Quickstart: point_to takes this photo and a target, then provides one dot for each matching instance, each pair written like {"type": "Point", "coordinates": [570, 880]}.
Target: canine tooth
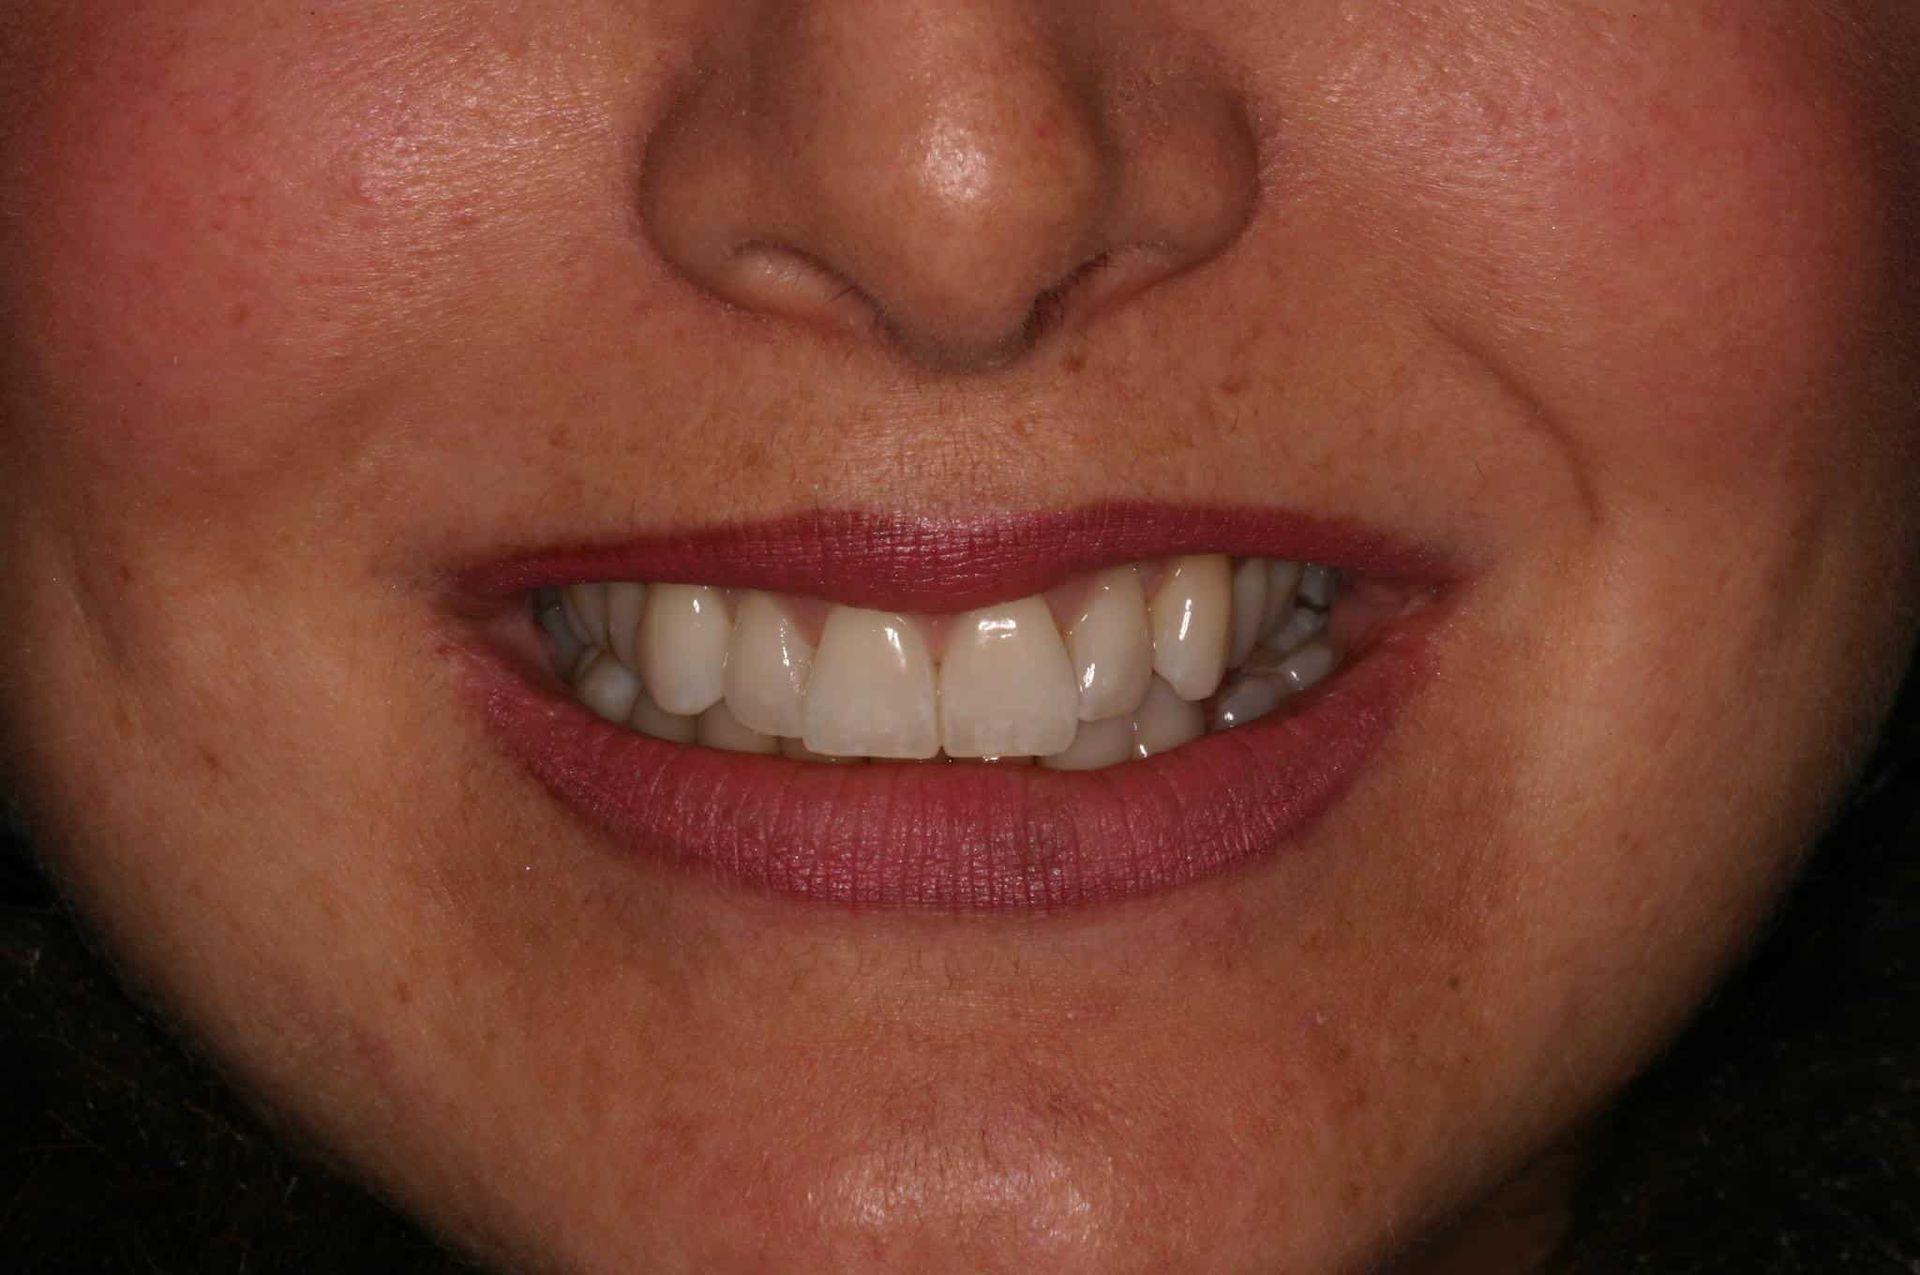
{"type": "Point", "coordinates": [1283, 579]}
{"type": "Point", "coordinates": [719, 728]}
{"type": "Point", "coordinates": [1306, 667]}
{"type": "Point", "coordinates": [1111, 646]}
{"type": "Point", "coordinates": [1165, 720]}
{"type": "Point", "coordinates": [650, 719]}
{"type": "Point", "coordinates": [682, 647]}
{"type": "Point", "coordinates": [767, 667]}
{"type": "Point", "coordinates": [872, 689]}
{"type": "Point", "coordinates": [1006, 684]}
{"type": "Point", "coordinates": [1095, 744]}
{"type": "Point", "coordinates": [567, 647]}
{"type": "Point", "coordinates": [1249, 608]}
{"type": "Point", "coordinates": [607, 686]}
{"type": "Point", "coordinates": [1301, 626]}
{"type": "Point", "coordinates": [1191, 614]}
{"type": "Point", "coordinates": [1316, 586]}
{"type": "Point", "coordinates": [626, 601]}
{"type": "Point", "coordinates": [585, 606]}
{"type": "Point", "coordinates": [1245, 699]}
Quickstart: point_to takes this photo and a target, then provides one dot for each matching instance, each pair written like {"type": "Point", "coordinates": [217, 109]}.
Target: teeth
{"type": "Point", "coordinates": [625, 602]}
{"type": "Point", "coordinates": [767, 668]}
{"type": "Point", "coordinates": [1192, 618]}
{"type": "Point", "coordinates": [1006, 685]}
{"type": "Point", "coordinates": [1130, 677]}
{"type": "Point", "coordinates": [607, 686]}
{"type": "Point", "coordinates": [567, 647]}
{"type": "Point", "coordinates": [683, 647]}
{"type": "Point", "coordinates": [1165, 720]}
{"type": "Point", "coordinates": [872, 690]}
{"type": "Point", "coordinates": [1111, 646]}
{"type": "Point", "coordinates": [719, 728]}
{"type": "Point", "coordinates": [1249, 608]}
{"type": "Point", "coordinates": [585, 606]}
{"type": "Point", "coordinates": [1107, 742]}
{"type": "Point", "coordinates": [650, 719]}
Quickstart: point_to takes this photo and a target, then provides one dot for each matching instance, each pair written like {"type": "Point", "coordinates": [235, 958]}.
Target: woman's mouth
{"type": "Point", "coordinates": [1186, 710]}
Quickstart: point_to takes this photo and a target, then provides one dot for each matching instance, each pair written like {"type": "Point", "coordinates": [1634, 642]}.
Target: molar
{"type": "Point", "coordinates": [585, 606]}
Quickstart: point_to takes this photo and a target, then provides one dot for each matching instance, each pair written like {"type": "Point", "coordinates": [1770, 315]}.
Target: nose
{"type": "Point", "coordinates": [954, 177]}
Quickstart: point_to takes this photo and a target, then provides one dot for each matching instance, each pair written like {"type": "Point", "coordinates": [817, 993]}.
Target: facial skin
{"type": "Point", "coordinates": [308, 305]}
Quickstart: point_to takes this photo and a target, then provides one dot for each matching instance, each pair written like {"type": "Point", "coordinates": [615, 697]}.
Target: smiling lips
{"type": "Point", "coordinates": [1123, 646]}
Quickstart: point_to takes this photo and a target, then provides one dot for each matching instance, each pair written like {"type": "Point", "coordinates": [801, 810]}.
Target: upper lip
{"type": "Point", "coordinates": [902, 562]}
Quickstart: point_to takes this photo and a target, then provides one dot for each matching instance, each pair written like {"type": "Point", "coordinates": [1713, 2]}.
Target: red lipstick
{"type": "Point", "coordinates": [960, 837]}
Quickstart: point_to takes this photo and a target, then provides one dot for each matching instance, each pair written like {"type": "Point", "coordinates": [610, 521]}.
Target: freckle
{"type": "Point", "coordinates": [403, 992]}
{"type": "Point", "coordinates": [1453, 982]}
{"type": "Point", "coordinates": [240, 314]}
{"type": "Point", "coordinates": [1074, 363]}
{"type": "Point", "coordinates": [558, 437]}
{"type": "Point", "coordinates": [124, 574]}
{"type": "Point", "coordinates": [211, 760]}
{"type": "Point", "coordinates": [1234, 386]}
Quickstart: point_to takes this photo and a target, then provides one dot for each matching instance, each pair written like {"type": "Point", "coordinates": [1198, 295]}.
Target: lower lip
{"type": "Point", "coordinates": [967, 838]}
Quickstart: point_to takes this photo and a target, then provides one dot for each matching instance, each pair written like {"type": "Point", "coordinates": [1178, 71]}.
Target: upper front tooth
{"type": "Point", "coordinates": [872, 689]}
{"type": "Point", "coordinates": [1111, 646]}
{"type": "Point", "coordinates": [1192, 617]}
{"type": "Point", "coordinates": [1006, 684]}
{"type": "Point", "coordinates": [683, 647]}
{"type": "Point", "coordinates": [767, 667]}
{"type": "Point", "coordinates": [1249, 608]}
{"type": "Point", "coordinates": [585, 606]}
{"type": "Point", "coordinates": [625, 603]}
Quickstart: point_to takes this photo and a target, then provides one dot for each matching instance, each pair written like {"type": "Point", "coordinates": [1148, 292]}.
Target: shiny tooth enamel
{"type": "Point", "coordinates": [1283, 581]}
{"type": "Point", "coordinates": [607, 686]}
{"type": "Point", "coordinates": [1316, 586]}
{"type": "Point", "coordinates": [650, 719]}
{"type": "Point", "coordinates": [1249, 608]}
{"type": "Point", "coordinates": [768, 665]}
{"type": "Point", "coordinates": [872, 690]}
{"type": "Point", "coordinates": [1221, 643]}
{"type": "Point", "coordinates": [1192, 621]}
{"type": "Point", "coordinates": [1306, 667]}
{"type": "Point", "coordinates": [585, 606]}
{"type": "Point", "coordinates": [1107, 742]}
{"type": "Point", "coordinates": [719, 728]}
{"type": "Point", "coordinates": [626, 601]}
{"type": "Point", "coordinates": [682, 651]}
{"type": "Point", "coordinates": [1166, 720]}
{"type": "Point", "coordinates": [1006, 684]}
{"type": "Point", "coordinates": [1111, 646]}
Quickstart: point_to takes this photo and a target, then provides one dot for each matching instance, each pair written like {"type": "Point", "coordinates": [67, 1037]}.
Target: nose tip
{"type": "Point", "coordinates": [947, 177]}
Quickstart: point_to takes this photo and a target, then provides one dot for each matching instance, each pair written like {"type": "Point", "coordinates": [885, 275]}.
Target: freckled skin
{"type": "Point", "coordinates": [305, 304]}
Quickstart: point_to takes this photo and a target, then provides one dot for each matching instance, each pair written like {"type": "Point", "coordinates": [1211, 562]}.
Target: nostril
{"type": "Point", "coordinates": [772, 278]}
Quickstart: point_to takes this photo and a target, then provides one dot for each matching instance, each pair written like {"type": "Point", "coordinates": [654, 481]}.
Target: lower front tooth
{"type": "Point", "coordinates": [1246, 699]}
{"type": "Point", "coordinates": [719, 728]}
{"type": "Point", "coordinates": [1006, 684]}
{"type": "Point", "coordinates": [800, 752]}
{"type": "Point", "coordinates": [607, 686]}
{"type": "Point", "coordinates": [1165, 720]}
{"type": "Point", "coordinates": [682, 649]}
{"type": "Point", "coordinates": [650, 719]}
{"type": "Point", "coordinates": [872, 690]}
{"type": "Point", "coordinates": [1103, 743]}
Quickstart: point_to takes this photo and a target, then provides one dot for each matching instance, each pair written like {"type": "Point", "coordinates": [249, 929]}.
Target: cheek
{"type": "Point", "coordinates": [234, 229]}
{"type": "Point", "coordinates": [1667, 233]}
